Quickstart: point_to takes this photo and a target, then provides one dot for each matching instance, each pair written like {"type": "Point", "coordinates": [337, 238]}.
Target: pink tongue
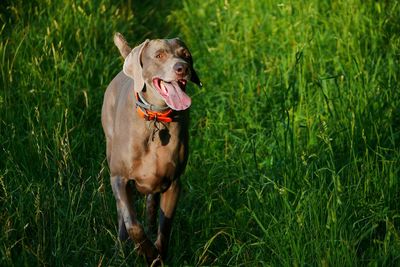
{"type": "Point", "coordinates": [175, 97]}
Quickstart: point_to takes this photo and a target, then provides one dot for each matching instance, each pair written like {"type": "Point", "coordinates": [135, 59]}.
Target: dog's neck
{"type": "Point", "coordinates": [152, 112]}
{"type": "Point", "coordinates": [152, 97]}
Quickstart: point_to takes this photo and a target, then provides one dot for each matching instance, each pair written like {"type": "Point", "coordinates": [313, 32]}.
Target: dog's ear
{"type": "Point", "coordinates": [122, 45]}
{"type": "Point", "coordinates": [195, 79]}
{"type": "Point", "coordinates": [133, 66]}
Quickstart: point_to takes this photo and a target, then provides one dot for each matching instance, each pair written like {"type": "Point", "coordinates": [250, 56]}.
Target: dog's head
{"type": "Point", "coordinates": [164, 65]}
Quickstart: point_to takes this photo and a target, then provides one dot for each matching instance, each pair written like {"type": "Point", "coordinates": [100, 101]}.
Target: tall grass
{"type": "Point", "coordinates": [294, 137]}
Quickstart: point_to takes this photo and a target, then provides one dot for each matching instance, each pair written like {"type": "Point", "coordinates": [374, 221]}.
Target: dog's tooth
{"type": "Point", "coordinates": [163, 87]}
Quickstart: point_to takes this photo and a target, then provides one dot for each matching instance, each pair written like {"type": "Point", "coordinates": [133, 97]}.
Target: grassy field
{"type": "Point", "coordinates": [295, 136]}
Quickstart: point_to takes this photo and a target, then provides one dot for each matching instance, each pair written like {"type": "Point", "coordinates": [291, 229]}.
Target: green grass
{"type": "Point", "coordinates": [295, 136]}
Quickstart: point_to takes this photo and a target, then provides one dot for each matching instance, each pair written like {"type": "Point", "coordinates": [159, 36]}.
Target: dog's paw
{"type": "Point", "coordinates": [157, 262]}
{"type": "Point", "coordinates": [149, 251]}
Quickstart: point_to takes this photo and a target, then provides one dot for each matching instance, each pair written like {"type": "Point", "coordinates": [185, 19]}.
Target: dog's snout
{"type": "Point", "coordinates": [181, 68]}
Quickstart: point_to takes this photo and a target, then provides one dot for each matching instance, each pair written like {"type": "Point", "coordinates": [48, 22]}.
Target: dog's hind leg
{"type": "Point", "coordinates": [168, 202]}
{"type": "Point", "coordinates": [152, 203]}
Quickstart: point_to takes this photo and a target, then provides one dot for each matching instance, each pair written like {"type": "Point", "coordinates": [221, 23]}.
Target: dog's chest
{"type": "Point", "coordinates": [157, 160]}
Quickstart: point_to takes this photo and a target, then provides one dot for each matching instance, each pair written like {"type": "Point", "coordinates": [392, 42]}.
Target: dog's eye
{"type": "Point", "coordinates": [160, 55]}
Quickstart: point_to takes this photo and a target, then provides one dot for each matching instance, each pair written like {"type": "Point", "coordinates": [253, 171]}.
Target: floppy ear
{"type": "Point", "coordinates": [133, 66]}
{"type": "Point", "coordinates": [122, 44]}
{"type": "Point", "coordinates": [195, 79]}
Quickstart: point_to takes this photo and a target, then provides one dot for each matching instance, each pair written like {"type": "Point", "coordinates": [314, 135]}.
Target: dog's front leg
{"type": "Point", "coordinates": [127, 218]}
{"type": "Point", "coordinates": [168, 203]}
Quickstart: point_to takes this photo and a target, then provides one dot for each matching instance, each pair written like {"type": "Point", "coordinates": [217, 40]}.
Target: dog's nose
{"type": "Point", "coordinates": [181, 68]}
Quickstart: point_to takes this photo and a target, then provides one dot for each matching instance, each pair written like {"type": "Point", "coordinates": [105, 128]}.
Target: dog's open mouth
{"type": "Point", "coordinates": [173, 93]}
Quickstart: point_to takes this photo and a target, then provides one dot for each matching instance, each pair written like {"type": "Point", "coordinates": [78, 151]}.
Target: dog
{"type": "Point", "coordinates": [145, 118]}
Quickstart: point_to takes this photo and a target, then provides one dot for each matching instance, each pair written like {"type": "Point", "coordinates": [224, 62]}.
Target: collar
{"type": "Point", "coordinates": [151, 112]}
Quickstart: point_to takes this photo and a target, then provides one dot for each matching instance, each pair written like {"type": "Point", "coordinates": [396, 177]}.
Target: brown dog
{"type": "Point", "coordinates": [145, 120]}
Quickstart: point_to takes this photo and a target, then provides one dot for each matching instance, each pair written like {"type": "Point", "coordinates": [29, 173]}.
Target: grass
{"type": "Point", "coordinates": [295, 136]}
